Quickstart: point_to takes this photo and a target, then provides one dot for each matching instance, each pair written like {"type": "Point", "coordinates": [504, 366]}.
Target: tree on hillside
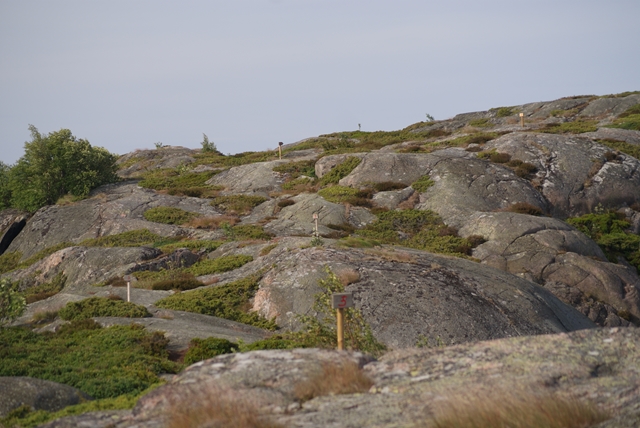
{"type": "Point", "coordinates": [57, 164]}
{"type": "Point", "coordinates": [5, 192]}
{"type": "Point", "coordinates": [12, 304]}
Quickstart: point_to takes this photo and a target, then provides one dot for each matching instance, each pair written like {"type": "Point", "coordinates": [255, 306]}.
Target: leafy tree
{"type": "Point", "coordinates": [5, 192]}
{"type": "Point", "coordinates": [208, 146]}
{"type": "Point", "coordinates": [12, 304]}
{"type": "Point", "coordinates": [56, 164]}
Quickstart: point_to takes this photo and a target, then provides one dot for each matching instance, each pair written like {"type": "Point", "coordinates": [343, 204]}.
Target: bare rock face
{"type": "Point", "coordinates": [38, 394]}
{"type": "Point", "coordinates": [464, 186]}
{"type": "Point", "coordinates": [407, 295]}
{"type": "Point", "coordinates": [134, 164]}
{"type": "Point", "coordinates": [256, 178]}
{"type": "Point", "coordinates": [552, 253]}
{"type": "Point", "coordinates": [112, 209]}
{"type": "Point", "coordinates": [573, 172]}
{"type": "Point", "coordinates": [12, 222]}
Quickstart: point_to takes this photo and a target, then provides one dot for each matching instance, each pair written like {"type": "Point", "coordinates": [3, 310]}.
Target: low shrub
{"type": "Point", "coordinates": [249, 231]}
{"type": "Point", "coordinates": [169, 215]}
{"type": "Point", "coordinates": [237, 204]}
{"type": "Point", "coordinates": [45, 290]}
{"type": "Point", "coordinates": [9, 261]}
{"type": "Point", "coordinates": [182, 283]}
{"type": "Point", "coordinates": [219, 265]}
{"type": "Point", "coordinates": [340, 171]}
{"type": "Point", "coordinates": [338, 194]}
{"type": "Point", "coordinates": [102, 307]}
{"type": "Point", "coordinates": [230, 301]}
{"type": "Point", "coordinates": [499, 157]}
{"type": "Point", "coordinates": [296, 169]}
{"type": "Point", "coordinates": [132, 238]}
{"type": "Point", "coordinates": [622, 146]}
{"type": "Point", "coordinates": [480, 123]}
{"type": "Point", "coordinates": [422, 184]}
{"type": "Point", "coordinates": [524, 208]}
{"type": "Point", "coordinates": [504, 111]}
{"type": "Point", "coordinates": [286, 203]}
{"type": "Point", "coordinates": [194, 245]}
{"type": "Point", "coordinates": [575, 127]}
{"type": "Point", "coordinates": [630, 119]}
{"type": "Point", "coordinates": [177, 181]}
{"type": "Point", "coordinates": [203, 349]}
{"type": "Point", "coordinates": [103, 362]}
{"type": "Point", "coordinates": [299, 185]}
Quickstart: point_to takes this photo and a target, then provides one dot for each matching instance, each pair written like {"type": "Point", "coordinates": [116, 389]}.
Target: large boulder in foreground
{"type": "Point", "coordinates": [409, 387]}
{"type": "Point", "coordinates": [407, 296]}
{"type": "Point", "coordinates": [37, 393]}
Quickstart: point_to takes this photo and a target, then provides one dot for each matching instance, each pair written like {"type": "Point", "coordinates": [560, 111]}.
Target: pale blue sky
{"type": "Point", "coordinates": [125, 74]}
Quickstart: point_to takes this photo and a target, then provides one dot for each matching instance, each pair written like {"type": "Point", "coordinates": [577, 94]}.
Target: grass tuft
{"type": "Point", "coordinates": [169, 215]}
{"type": "Point", "coordinates": [102, 307]}
{"type": "Point", "coordinates": [332, 379]}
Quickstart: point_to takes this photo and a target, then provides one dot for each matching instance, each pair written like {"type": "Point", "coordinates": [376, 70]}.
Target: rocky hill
{"type": "Point", "coordinates": [462, 240]}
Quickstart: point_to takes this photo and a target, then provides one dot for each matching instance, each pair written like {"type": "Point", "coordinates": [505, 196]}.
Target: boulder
{"type": "Point", "coordinates": [609, 106]}
{"type": "Point", "coordinates": [574, 174]}
{"type": "Point", "coordinates": [255, 179]}
{"type": "Point", "coordinates": [12, 222]}
{"type": "Point", "coordinates": [38, 394]}
{"type": "Point", "coordinates": [463, 186]}
{"type": "Point", "coordinates": [405, 295]}
{"type": "Point", "coordinates": [554, 254]}
{"type": "Point", "coordinates": [136, 163]}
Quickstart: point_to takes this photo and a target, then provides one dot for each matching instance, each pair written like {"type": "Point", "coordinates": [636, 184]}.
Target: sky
{"type": "Point", "coordinates": [128, 74]}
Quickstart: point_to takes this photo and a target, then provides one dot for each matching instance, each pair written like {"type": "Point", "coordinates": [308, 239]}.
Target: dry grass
{"type": "Point", "coordinates": [215, 408]}
{"type": "Point", "coordinates": [392, 254]}
{"type": "Point", "coordinates": [333, 378]}
{"type": "Point", "coordinates": [348, 276]}
{"type": "Point", "coordinates": [513, 408]}
{"type": "Point", "coordinates": [212, 222]}
{"type": "Point", "coordinates": [410, 202]}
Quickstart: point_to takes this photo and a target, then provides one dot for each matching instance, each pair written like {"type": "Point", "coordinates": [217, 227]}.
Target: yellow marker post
{"type": "Point", "coordinates": [341, 301]}
{"type": "Point", "coordinates": [522, 119]}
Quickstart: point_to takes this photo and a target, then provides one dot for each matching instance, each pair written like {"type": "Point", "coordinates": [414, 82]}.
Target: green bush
{"type": "Point", "coordinates": [178, 182]}
{"type": "Point", "coordinates": [45, 290]}
{"type": "Point", "coordinates": [249, 231]}
{"type": "Point", "coordinates": [423, 230]}
{"type": "Point", "coordinates": [12, 304]}
{"type": "Point", "coordinates": [54, 165]}
{"type": "Point", "coordinates": [169, 215]}
{"type": "Point", "coordinates": [208, 146]}
{"type": "Point", "coordinates": [9, 261]}
{"type": "Point", "coordinates": [102, 362]}
{"type": "Point", "coordinates": [203, 349]}
{"type": "Point", "coordinates": [228, 301]}
{"type": "Point", "coordinates": [595, 225]}
{"type": "Point", "coordinates": [296, 169]}
{"type": "Point", "coordinates": [504, 111]}
{"type": "Point", "coordinates": [338, 194]}
{"type": "Point", "coordinates": [340, 171]}
{"type": "Point", "coordinates": [237, 204]}
{"type": "Point", "coordinates": [630, 119]}
{"type": "Point", "coordinates": [422, 184]}
{"type": "Point", "coordinates": [480, 123]}
{"type": "Point", "coordinates": [180, 282]}
{"type": "Point", "coordinates": [102, 307]}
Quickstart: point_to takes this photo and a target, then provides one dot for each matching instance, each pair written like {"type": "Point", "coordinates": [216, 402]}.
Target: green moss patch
{"type": "Point", "coordinates": [169, 215]}
{"type": "Point", "coordinates": [103, 362]}
{"type": "Point", "coordinates": [102, 307]}
{"type": "Point", "coordinates": [422, 184]}
{"type": "Point", "coordinates": [230, 301]}
{"type": "Point", "coordinates": [9, 261]}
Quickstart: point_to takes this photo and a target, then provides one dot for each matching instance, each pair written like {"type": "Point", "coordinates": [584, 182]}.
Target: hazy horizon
{"type": "Point", "coordinates": [126, 75]}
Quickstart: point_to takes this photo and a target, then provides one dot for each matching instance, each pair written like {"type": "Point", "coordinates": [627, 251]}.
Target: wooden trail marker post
{"type": "Point", "coordinates": [522, 120]}
{"type": "Point", "coordinates": [341, 301]}
{"type": "Point", "coordinates": [280, 150]}
{"type": "Point", "coordinates": [129, 279]}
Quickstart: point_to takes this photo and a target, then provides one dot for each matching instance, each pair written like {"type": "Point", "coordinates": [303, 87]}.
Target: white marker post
{"type": "Point", "coordinates": [315, 218]}
{"type": "Point", "coordinates": [340, 301]}
{"type": "Point", "coordinates": [280, 149]}
{"type": "Point", "coordinates": [129, 279]}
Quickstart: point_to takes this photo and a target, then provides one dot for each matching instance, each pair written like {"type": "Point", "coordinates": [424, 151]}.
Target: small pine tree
{"type": "Point", "coordinates": [208, 146]}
